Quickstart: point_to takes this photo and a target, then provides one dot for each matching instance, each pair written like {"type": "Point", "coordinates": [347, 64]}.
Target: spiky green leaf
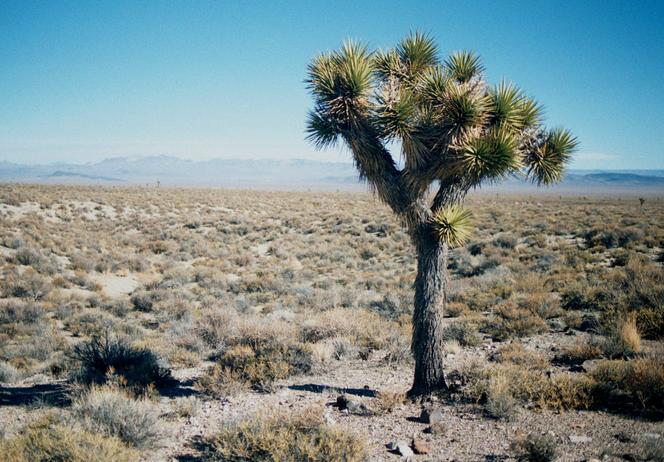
{"type": "Point", "coordinates": [464, 65]}
{"type": "Point", "coordinates": [418, 52]}
{"type": "Point", "coordinates": [545, 160]}
{"type": "Point", "coordinates": [490, 156]}
{"type": "Point", "coordinates": [452, 225]}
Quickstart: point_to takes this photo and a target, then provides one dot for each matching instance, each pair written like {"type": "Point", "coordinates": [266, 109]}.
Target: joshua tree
{"type": "Point", "coordinates": [455, 133]}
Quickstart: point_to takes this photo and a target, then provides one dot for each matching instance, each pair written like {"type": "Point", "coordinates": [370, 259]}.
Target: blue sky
{"type": "Point", "coordinates": [81, 81]}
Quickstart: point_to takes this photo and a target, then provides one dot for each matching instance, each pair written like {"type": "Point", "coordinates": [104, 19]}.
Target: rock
{"type": "Point", "coordinates": [420, 446]}
{"type": "Point", "coordinates": [579, 439]}
{"type": "Point", "coordinates": [652, 436]}
{"type": "Point", "coordinates": [353, 407]}
{"type": "Point", "coordinates": [431, 415]}
{"type": "Point", "coordinates": [403, 449]}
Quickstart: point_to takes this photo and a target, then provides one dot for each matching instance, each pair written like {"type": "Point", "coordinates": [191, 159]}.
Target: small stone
{"type": "Point", "coordinates": [579, 439]}
{"type": "Point", "coordinates": [420, 446]}
{"type": "Point", "coordinates": [404, 449]}
{"type": "Point", "coordinates": [431, 415]}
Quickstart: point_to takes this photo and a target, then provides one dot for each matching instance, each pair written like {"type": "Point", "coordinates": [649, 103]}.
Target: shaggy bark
{"type": "Point", "coordinates": [430, 300]}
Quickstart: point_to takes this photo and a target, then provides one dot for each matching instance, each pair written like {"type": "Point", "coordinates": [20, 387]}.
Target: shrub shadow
{"type": "Point", "coordinates": [317, 388]}
{"type": "Point", "coordinates": [53, 394]}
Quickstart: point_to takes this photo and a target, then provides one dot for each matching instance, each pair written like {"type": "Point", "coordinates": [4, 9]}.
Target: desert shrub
{"type": "Point", "coordinates": [186, 406]}
{"type": "Point", "coordinates": [387, 401]}
{"type": "Point", "coordinates": [102, 355]}
{"type": "Point", "coordinates": [145, 300]}
{"type": "Point", "coordinates": [8, 373]}
{"type": "Point", "coordinates": [536, 448]}
{"type": "Point", "coordinates": [16, 311]}
{"type": "Point", "coordinates": [625, 340]}
{"type": "Point", "coordinates": [260, 364]}
{"type": "Point", "coordinates": [114, 412]}
{"type": "Point", "coordinates": [397, 349]}
{"type": "Point", "coordinates": [638, 382]}
{"type": "Point", "coordinates": [505, 241]}
{"type": "Point", "coordinates": [499, 401]}
{"type": "Point", "coordinates": [653, 449]}
{"type": "Point", "coordinates": [512, 321]}
{"type": "Point", "coordinates": [465, 333]}
{"type": "Point", "coordinates": [559, 391]}
{"type": "Point", "coordinates": [579, 352]}
{"type": "Point", "coordinates": [516, 353]}
{"type": "Point", "coordinates": [610, 237]}
{"type": "Point", "coordinates": [637, 287]}
{"type": "Point", "coordinates": [302, 437]}
{"type": "Point", "coordinates": [30, 284]}
{"type": "Point", "coordinates": [51, 440]}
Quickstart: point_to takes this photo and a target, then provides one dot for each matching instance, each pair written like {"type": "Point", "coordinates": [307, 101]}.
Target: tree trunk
{"type": "Point", "coordinates": [430, 300]}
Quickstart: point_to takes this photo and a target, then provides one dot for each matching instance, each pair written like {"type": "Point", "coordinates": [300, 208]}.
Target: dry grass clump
{"type": "Point", "coordinates": [580, 351]}
{"type": "Point", "coordinates": [387, 401]}
{"type": "Point", "coordinates": [283, 438]}
{"type": "Point", "coordinates": [516, 353]}
{"type": "Point", "coordinates": [115, 412]}
{"type": "Point", "coordinates": [463, 332]}
{"type": "Point", "coordinates": [504, 383]}
{"type": "Point", "coordinates": [637, 287]}
{"type": "Point", "coordinates": [638, 382]}
{"type": "Point", "coordinates": [50, 439]}
{"type": "Point", "coordinates": [535, 448]}
{"type": "Point", "coordinates": [511, 321]}
{"type": "Point", "coordinates": [101, 356]}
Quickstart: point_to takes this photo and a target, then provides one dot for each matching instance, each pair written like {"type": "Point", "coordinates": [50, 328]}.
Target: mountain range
{"type": "Point", "coordinates": [272, 173]}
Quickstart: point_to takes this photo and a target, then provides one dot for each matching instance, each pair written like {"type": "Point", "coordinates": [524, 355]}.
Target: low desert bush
{"type": "Point", "coordinates": [536, 448]}
{"type": "Point", "coordinates": [637, 287]}
{"type": "Point", "coordinates": [465, 333]}
{"type": "Point", "coordinates": [18, 311]}
{"type": "Point", "coordinates": [258, 365]}
{"type": "Point", "coordinates": [51, 440]}
{"type": "Point", "coordinates": [8, 373]}
{"type": "Point", "coordinates": [516, 353]}
{"type": "Point", "coordinates": [512, 321]}
{"type": "Point", "coordinates": [559, 391]}
{"type": "Point", "coordinates": [115, 412]}
{"type": "Point", "coordinates": [104, 355]}
{"type": "Point", "coordinates": [303, 437]}
{"type": "Point", "coordinates": [637, 382]}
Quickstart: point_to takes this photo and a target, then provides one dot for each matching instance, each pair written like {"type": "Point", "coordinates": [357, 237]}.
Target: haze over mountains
{"type": "Point", "coordinates": [282, 174]}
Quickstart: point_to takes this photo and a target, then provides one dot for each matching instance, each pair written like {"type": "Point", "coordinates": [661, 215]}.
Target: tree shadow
{"type": "Point", "coordinates": [53, 394]}
{"type": "Point", "coordinates": [314, 388]}
{"type": "Point", "coordinates": [57, 394]}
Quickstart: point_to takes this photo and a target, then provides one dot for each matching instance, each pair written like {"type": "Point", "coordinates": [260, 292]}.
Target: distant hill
{"type": "Point", "coordinates": [282, 174]}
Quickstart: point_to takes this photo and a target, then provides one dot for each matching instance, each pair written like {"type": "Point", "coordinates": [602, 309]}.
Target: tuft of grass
{"type": "Point", "coordinates": [512, 321]}
{"type": "Point", "coordinates": [115, 412]}
{"type": "Point", "coordinates": [256, 364]}
{"type": "Point", "coordinates": [50, 440]}
{"type": "Point", "coordinates": [303, 437]}
{"type": "Point", "coordinates": [639, 382]}
{"type": "Point", "coordinates": [465, 333]}
{"type": "Point", "coordinates": [516, 353]}
{"type": "Point", "coordinates": [536, 448]}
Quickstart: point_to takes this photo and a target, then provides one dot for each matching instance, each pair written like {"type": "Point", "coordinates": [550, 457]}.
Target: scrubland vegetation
{"type": "Point", "coordinates": [161, 324]}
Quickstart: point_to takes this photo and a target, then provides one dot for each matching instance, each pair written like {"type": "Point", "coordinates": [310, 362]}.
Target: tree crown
{"type": "Point", "coordinates": [453, 127]}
